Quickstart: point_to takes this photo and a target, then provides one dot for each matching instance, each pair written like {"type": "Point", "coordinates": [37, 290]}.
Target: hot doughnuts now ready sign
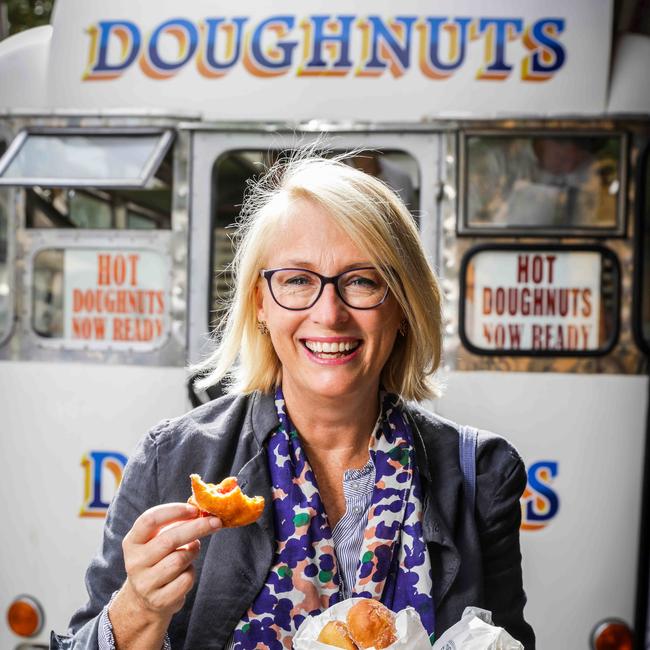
{"type": "Point", "coordinates": [529, 300]}
{"type": "Point", "coordinates": [115, 296]}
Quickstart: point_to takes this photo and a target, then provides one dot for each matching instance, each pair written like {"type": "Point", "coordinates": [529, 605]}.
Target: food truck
{"type": "Point", "coordinates": [517, 135]}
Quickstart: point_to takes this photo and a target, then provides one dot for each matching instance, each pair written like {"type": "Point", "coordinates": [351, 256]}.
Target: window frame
{"type": "Point", "coordinates": [641, 227]}
{"type": "Point", "coordinates": [61, 344]}
{"type": "Point", "coordinates": [463, 229]}
{"type": "Point", "coordinates": [7, 330]}
{"type": "Point", "coordinates": [562, 248]}
{"type": "Point", "coordinates": [166, 138]}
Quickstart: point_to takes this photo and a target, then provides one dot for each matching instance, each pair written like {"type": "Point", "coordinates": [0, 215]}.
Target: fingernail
{"type": "Point", "coordinates": [215, 522]}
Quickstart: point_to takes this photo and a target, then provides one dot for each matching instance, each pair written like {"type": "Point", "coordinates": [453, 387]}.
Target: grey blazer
{"type": "Point", "coordinates": [475, 558]}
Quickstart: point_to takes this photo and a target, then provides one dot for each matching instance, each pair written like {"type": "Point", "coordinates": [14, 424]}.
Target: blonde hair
{"type": "Point", "coordinates": [376, 219]}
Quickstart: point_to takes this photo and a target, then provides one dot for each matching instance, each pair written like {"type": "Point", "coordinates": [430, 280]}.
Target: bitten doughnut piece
{"type": "Point", "coordinates": [371, 624]}
{"type": "Point", "coordinates": [226, 501]}
{"type": "Point", "coordinates": [336, 634]}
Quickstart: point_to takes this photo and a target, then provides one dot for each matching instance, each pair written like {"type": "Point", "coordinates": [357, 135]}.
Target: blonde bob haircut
{"type": "Point", "coordinates": [379, 223]}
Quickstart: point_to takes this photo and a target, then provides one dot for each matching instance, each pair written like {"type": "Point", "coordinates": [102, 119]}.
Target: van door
{"type": "Point", "coordinates": [222, 163]}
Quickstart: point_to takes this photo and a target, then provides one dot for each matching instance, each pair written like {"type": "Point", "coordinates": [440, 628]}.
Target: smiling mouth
{"type": "Point", "coordinates": [331, 350]}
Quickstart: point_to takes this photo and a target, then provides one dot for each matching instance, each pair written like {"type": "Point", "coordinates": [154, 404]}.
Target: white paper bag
{"type": "Point", "coordinates": [475, 631]}
{"type": "Point", "coordinates": [411, 634]}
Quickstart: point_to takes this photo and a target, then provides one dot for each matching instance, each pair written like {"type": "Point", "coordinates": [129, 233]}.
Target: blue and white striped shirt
{"type": "Point", "coordinates": [347, 535]}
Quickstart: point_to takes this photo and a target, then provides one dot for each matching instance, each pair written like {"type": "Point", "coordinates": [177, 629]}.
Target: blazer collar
{"type": "Point", "coordinates": [442, 484]}
{"type": "Point", "coordinates": [254, 477]}
{"type": "Point", "coordinates": [263, 416]}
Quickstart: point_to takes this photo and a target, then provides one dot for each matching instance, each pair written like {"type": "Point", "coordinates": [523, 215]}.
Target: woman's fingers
{"type": "Point", "coordinates": [151, 579]}
{"type": "Point", "coordinates": [171, 566]}
{"type": "Point", "coordinates": [147, 525]}
{"type": "Point", "coordinates": [168, 540]}
{"type": "Point", "coordinates": [161, 530]}
{"type": "Point", "coordinates": [172, 595]}
{"type": "Point", "coordinates": [159, 551]}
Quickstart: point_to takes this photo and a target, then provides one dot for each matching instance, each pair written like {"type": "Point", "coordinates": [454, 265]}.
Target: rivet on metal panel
{"type": "Point", "coordinates": [450, 191]}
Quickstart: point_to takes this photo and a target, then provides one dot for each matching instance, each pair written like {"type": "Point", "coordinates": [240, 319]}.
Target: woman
{"type": "Point", "coordinates": [334, 325]}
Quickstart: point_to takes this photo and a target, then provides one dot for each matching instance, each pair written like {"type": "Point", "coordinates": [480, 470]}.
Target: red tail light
{"type": "Point", "coordinates": [25, 616]}
{"type": "Point", "coordinates": [612, 634]}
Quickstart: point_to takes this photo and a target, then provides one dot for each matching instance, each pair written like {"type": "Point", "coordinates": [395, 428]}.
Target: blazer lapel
{"type": "Point", "coordinates": [254, 477]}
{"type": "Point", "coordinates": [235, 562]}
{"type": "Point", "coordinates": [254, 480]}
{"type": "Point", "coordinates": [438, 465]}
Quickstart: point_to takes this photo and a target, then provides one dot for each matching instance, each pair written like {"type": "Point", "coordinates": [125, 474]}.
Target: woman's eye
{"type": "Point", "coordinates": [361, 281]}
{"type": "Point", "coordinates": [298, 281]}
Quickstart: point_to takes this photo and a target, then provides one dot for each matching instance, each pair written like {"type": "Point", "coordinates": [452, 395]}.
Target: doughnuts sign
{"type": "Point", "coordinates": [529, 300]}
{"type": "Point", "coordinates": [115, 296]}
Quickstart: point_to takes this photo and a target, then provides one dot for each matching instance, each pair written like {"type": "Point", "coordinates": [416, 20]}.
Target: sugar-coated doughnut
{"type": "Point", "coordinates": [226, 501]}
{"type": "Point", "coordinates": [371, 624]}
{"type": "Point", "coordinates": [336, 634]}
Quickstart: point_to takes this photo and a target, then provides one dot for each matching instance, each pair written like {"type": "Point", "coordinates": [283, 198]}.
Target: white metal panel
{"type": "Point", "coordinates": [630, 90]}
{"type": "Point", "coordinates": [581, 567]}
{"type": "Point", "coordinates": [54, 414]}
{"type": "Point", "coordinates": [24, 57]}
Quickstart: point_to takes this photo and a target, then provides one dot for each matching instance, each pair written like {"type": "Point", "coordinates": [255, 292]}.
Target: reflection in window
{"type": "Point", "coordinates": [562, 181]}
{"type": "Point", "coordinates": [5, 294]}
{"type": "Point", "coordinates": [134, 209]}
{"type": "Point", "coordinates": [98, 158]}
{"type": "Point", "coordinates": [47, 294]}
{"type": "Point", "coordinates": [230, 174]}
{"type": "Point", "coordinates": [398, 170]}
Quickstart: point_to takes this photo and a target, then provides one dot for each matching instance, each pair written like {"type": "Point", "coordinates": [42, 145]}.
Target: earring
{"type": "Point", "coordinates": [403, 327]}
{"type": "Point", "coordinates": [262, 328]}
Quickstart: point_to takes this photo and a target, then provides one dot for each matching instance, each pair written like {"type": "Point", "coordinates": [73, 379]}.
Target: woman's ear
{"type": "Point", "coordinates": [259, 302]}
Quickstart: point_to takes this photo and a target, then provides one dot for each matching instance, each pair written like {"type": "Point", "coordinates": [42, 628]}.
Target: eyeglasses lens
{"type": "Point", "coordinates": [299, 289]}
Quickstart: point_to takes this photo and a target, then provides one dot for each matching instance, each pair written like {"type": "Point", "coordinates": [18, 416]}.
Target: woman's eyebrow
{"type": "Point", "coordinates": [302, 264]}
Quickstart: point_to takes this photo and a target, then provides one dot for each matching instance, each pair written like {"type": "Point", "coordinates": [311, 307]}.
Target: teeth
{"type": "Point", "coordinates": [331, 348]}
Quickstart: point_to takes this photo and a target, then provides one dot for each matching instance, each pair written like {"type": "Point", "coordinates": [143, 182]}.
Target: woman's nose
{"type": "Point", "coordinates": [329, 308]}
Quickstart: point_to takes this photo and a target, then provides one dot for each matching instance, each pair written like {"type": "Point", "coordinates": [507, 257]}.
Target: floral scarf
{"type": "Point", "coordinates": [394, 565]}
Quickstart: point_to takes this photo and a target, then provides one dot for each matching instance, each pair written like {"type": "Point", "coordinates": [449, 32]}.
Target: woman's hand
{"type": "Point", "coordinates": [158, 554]}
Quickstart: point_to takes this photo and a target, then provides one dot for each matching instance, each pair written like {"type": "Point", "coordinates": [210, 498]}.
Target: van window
{"type": "Point", "coordinates": [539, 300]}
{"type": "Point", "coordinates": [559, 182]}
{"type": "Point", "coordinates": [95, 208]}
{"type": "Point", "coordinates": [5, 290]}
{"type": "Point", "coordinates": [233, 169]}
{"type": "Point", "coordinates": [93, 180]}
{"type": "Point", "coordinates": [101, 298]}
{"type": "Point", "coordinates": [68, 158]}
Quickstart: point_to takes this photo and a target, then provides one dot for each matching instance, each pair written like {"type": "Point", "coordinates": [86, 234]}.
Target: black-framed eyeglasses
{"type": "Point", "coordinates": [297, 289]}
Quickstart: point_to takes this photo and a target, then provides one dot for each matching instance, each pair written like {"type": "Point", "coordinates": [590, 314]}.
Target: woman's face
{"type": "Point", "coordinates": [308, 238]}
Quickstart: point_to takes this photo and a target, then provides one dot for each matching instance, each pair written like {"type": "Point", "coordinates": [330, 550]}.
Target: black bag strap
{"type": "Point", "coordinates": [467, 442]}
